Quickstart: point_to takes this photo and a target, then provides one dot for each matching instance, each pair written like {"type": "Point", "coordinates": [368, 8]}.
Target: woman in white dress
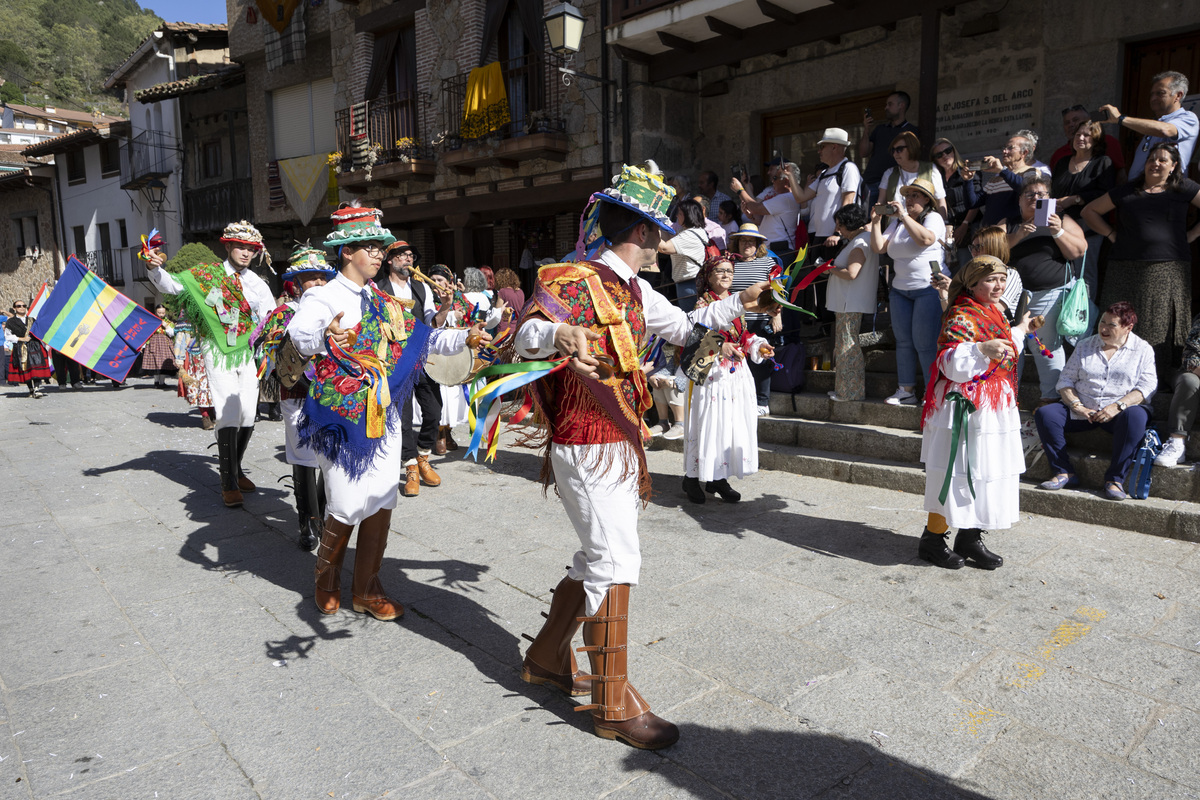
{"type": "Point", "coordinates": [971, 443]}
{"type": "Point", "coordinates": [721, 438]}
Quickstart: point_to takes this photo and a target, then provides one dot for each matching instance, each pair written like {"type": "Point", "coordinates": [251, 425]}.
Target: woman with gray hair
{"type": "Point", "coordinates": [1006, 177]}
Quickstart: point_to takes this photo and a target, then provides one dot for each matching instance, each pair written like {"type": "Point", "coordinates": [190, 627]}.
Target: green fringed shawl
{"type": "Point", "coordinates": [211, 298]}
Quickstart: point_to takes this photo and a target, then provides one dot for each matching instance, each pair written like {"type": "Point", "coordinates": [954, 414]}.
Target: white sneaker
{"type": "Point", "coordinates": [1172, 452]}
{"type": "Point", "coordinates": [676, 432]}
{"type": "Point", "coordinates": [764, 411]}
{"type": "Point", "coordinates": [901, 397]}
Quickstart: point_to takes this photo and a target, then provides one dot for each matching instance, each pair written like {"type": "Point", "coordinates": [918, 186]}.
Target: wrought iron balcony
{"type": "Point", "coordinates": [209, 208]}
{"type": "Point", "coordinates": [628, 9]}
{"type": "Point", "coordinates": [536, 125]}
{"type": "Point", "coordinates": [110, 265]}
{"type": "Point", "coordinates": [149, 155]}
{"type": "Point", "coordinates": [390, 126]}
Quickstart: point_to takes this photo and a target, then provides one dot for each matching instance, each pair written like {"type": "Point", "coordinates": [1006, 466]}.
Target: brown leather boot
{"type": "Point", "coordinates": [550, 658]}
{"type": "Point", "coordinates": [428, 476]}
{"type": "Point", "coordinates": [618, 711]}
{"type": "Point", "coordinates": [369, 596]}
{"type": "Point", "coordinates": [451, 445]}
{"type": "Point", "coordinates": [231, 495]}
{"type": "Point", "coordinates": [330, 554]}
{"type": "Point", "coordinates": [439, 447]}
{"type": "Point", "coordinates": [412, 482]}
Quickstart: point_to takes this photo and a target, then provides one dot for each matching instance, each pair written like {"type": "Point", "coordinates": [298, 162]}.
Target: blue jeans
{"type": "Point", "coordinates": [1128, 429]}
{"type": "Point", "coordinates": [1047, 303]}
{"type": "Point", "coordinates": [685, 293]}
{"type": "Point", "coordinates": [916, 322]}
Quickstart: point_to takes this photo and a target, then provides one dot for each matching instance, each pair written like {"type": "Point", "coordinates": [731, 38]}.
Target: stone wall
{"type": "Point", "coordinates": [21, 276]}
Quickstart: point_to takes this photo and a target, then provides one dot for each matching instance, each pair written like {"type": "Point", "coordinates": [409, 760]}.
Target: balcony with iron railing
{"type": "Point", "coordinates": [628, 9]}
{"type": "Point", "coordinates": [145, 157]}
{"type": "Point", "coordinates": [209, 208]}
{"type": "Point", "coordinates": [383, 138]}
{"type": "Point", "coordinates": [536, 125]}
{"type": "Point", "coordinates": [111, 266]}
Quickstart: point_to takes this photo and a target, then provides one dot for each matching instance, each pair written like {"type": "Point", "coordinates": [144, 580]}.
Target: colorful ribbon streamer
{"type": "Point", "coordinates": [499, 380]}
{"type": "Point", "coordinates": [150, 243]}
{"type": "Point", "coordinates": [960, 414]}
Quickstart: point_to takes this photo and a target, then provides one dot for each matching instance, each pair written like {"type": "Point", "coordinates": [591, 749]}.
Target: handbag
{"type": "Point", "coordinates": [289, 364]}
{"type": "Point", "coordinates": [1139, 475]}
{"type": "Point", "coordinates": [1073, 315]}
{"type": "Point", "coordinates": [700, 352]}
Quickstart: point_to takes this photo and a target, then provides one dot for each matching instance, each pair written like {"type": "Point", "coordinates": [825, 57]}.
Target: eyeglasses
{"type": "Point", "coordinates": [1076, 107]}
{"type": "Point", "coordinates": [722, 272]}
{"type": "Point", "coordinates": [372, 249]}
{"type": "Point", "coordinates": [1035, 195]}
{"type": "Point", "coordinates": [899, 147]}
{"type": "Point", "coordinates": [943, 153]}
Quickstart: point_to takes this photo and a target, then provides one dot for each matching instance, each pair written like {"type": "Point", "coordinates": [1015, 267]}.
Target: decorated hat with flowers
{"type": "Point", "coordinates": [354, 224]}
{"type": "Point", "coordinates": [641, 189]}
{"type": "Point", "coordinates": [306, 258]}
{"type": "Point", "coordinates": [242, 232]}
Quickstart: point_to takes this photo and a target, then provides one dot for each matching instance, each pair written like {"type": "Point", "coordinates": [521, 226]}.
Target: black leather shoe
{"type": "Point", "coordinates": [969, 544]}
{"type": "Point", "coordinates": [723, 490]}
{"type": "Point", "coordinates": [692, 487]}
{"type": "Point", "coordinates": [934, 550]}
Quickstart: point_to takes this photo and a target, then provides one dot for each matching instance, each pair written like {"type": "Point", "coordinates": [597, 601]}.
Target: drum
{"type": "Point", "coordinates": [452, 370]}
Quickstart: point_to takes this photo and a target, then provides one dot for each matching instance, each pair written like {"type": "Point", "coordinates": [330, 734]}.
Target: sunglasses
{"type": "Point", "coordinates": [941, 153]}
{"type": "Point", "coordinates": [1076, 107]}
{"type": "Point", "coordinates": [20, 305]}
{"type": "Point", "coordinates": [1035, 195]}
{"type": "Point", "coordinates": [899, 147]}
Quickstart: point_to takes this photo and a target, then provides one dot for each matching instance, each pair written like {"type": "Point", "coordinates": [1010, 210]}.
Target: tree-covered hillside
{"type": "Point", "coordinates": [59, 52]}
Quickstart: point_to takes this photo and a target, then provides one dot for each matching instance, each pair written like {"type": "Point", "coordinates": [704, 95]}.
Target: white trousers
{"type": "Point", "coordinates": [604, 511]}
{"type": "Point", "coordinates": [295, 453]}
{"type": "Point", "coordinates": [351, 501]}
{"type": "Point", "coordinates": [234, 393]}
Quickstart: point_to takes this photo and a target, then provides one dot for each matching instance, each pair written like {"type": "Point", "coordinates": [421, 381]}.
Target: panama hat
{"type": "Point", "coordinates": [835, 136]}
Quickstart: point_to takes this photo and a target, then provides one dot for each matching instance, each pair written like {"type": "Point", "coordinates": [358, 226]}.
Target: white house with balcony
{"type": "Point", "coordinates": [97, 216]}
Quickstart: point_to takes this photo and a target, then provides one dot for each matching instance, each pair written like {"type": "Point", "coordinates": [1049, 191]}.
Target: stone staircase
{"type": "Point", "coordinates": [875, 444]}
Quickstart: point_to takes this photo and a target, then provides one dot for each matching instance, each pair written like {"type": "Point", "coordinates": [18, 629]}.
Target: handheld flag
{"type": "Point", "coordinates": [92, 323]}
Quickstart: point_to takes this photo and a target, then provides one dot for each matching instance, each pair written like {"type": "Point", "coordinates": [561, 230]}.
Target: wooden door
{"type": "Point", "coordinates": [1144, 60]}
{"type": "Point", "coordinates": [794, 133]}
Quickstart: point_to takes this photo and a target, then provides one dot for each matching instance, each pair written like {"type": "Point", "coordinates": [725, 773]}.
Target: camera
{"type": "Point", "coordinates": [883, 209]}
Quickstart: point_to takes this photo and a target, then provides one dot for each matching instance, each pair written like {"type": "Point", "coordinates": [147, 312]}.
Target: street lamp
{"type": "Point", "coordinates": [156, 190]}
{"type": "Point", "coordinates": [564, 26]}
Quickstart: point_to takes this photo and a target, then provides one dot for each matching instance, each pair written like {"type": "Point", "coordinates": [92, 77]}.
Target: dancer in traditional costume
{"type": "Point", "coordinates": [396, 279]}
{"type": "Point", "coordinates": [370, 353]}
{"type": "Point", "coordinates": [722, 411]}
{"type": "Point", "coordinates": [459, 315]}
{"type": "Point", "coordinates": [158, 354]}
{"type": "Point", "coordinates": [971, 442]}
{"type": "Point", "coordinates": [307, 269]}
{"type": "Point", "coordinates": [597, 313]}
{"type": "Point", "coordinates": [193, 378]}
{"type": "Point", "coordinates": [225, 302]}
{"type": "Point", "coordinates": [28, 362]}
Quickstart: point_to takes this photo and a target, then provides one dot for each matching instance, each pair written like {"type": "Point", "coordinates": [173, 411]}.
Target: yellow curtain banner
{"type": "Point", "coordinates": [486, 106]}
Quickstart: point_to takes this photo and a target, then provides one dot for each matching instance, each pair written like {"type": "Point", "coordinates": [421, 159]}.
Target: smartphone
{"type": "Point", "coordinates": [1098, 116]}
{"type": "Point", "coordinates": [1022, 306]}
{"type": "Point", "coordinates": [867, 111]}
{"type": "Point", "coordinates": [935, 267]}
{"type": "Point", "coordinates": [883, 209]}
{"type": "Point", "coordinates": [1043, 210]}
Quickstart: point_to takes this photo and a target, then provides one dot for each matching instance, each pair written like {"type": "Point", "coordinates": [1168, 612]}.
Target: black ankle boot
{"type": "Point", "coordinates": [723, 490]}
{"type": "Point", "coordinates": [934, 550]}
{"type": "Point", "coordinates": [692, 487]}
{"type": "Point", "coordinates": [304, 483]}
{"type": "Point", "coordinates": [969, 544]}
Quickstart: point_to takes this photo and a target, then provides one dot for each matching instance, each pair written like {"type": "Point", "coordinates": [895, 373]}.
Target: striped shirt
{"type": "Point", "coordinates": [748, 273]}
{"type": "Point", "coordinates": [1100, 381]}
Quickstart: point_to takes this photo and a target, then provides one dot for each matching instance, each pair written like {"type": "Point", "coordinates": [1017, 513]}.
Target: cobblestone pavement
{"type": "Point", "coordinates": [156, 644]}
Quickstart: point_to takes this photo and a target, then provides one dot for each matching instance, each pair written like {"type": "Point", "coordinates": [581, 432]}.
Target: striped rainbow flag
{"type": "Point", "coordinates": [87, 320]}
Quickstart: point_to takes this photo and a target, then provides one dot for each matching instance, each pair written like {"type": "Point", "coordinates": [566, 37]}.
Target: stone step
{"type": "Point", "coordinates": [1156, 516]}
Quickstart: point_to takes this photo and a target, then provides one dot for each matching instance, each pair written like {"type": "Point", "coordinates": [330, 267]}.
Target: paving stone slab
{"type": "Point", "coordinates": [1169, 747]}
{"type": "Point", "coordinates": [1058, 701]}
{"type": "Point", "coordinates": [1024, 762]}
{"type": "Point", "coordinates": [924, 653]}
{"type": "Point", "coordinates": [201, 774]}
{"type": "Point", "coordinates": [1180, 626]}
{"type": "Point", "coordinates": [446, 783]}
{"type": "Point", "coordinates": [897, 780]}
{"type": "Point", "coordinates": [749, 749]}
{"type": "Point", "coordinates": [904, 718]}
{"type": "Point", "coordinates": [130, 714]}
{"type": "Point", "coordinates": [571, 760]}
{"type": "Point", "coordinates": [752, 659]}
{"type": "Point", "coordinates": [759, 598]}
{"type": "Point", "coordinates": [13, 777]}
{"type": "Point", "coordinates": [288, 726]}
{"type": "Point", "coordinates": [146, 573]}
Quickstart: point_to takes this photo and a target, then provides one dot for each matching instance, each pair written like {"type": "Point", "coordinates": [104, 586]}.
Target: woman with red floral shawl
{"type": "Point", "coordinates": [971, 445]}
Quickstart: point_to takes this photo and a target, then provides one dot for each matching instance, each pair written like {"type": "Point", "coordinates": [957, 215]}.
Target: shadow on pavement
{"type": "Point", "coordinates": [173, 419]}
{"type": "Point", "coordinates": [791, 764]}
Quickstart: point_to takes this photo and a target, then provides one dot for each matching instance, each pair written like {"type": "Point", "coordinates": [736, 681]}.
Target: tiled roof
{"type": "Point", "coordinates": [147, 44]}
{"type": "Point", "coordinates": [193, 27]}
{"type": "Point", "coordinates": [61, 113]}
{"type": "Point", "coordinates": [61, 144]}
{"type": "Point", "coordinates": [225, 74]}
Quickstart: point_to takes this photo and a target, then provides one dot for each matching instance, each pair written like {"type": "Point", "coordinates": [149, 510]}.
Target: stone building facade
{"type": "Point", "coordinates": [29, 255]}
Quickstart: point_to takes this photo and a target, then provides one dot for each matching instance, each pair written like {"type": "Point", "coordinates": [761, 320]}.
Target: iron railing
{"type": "Point", "coordinates": [209, 208]}
{"type": "Point", "coordinates": [109, 265]}
{"type": "Point", "coordinates": [149, 155]}
{"type": "Point", "coordinates": [536, 95]}
{"type": "Point", "coordinates": [392, 123]}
